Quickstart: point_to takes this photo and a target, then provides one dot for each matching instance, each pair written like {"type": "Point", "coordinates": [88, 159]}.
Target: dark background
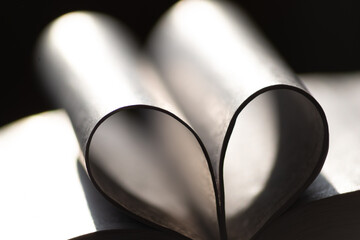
{"type": "Point", "coordinates": [312, 36]}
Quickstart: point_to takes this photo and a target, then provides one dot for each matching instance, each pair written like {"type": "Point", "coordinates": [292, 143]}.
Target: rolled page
{"type": "Point", "coordinates": [329, 208]}
{"type": "Point", "coordinates": [136, 149]}
{"type": "Point", "coordinates": [247, 108]}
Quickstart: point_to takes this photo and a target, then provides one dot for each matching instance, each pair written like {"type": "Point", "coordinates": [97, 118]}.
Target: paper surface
{"type": "Point", "coordinates": [42, 184]}
{"type": "Point", "coordinates": [339, 95]}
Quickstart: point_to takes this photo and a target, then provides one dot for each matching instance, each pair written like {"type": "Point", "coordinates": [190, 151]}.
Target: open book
{"type": "Point", "coordinates": [209, 136]}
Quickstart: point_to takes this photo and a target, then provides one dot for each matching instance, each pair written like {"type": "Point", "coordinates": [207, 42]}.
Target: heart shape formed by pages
{"type": "Point", "coordinates": [213, 144]}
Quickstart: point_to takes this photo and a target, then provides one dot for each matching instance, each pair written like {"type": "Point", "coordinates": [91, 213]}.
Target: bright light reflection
{"type": "Point", "coordinates": [94, 50]}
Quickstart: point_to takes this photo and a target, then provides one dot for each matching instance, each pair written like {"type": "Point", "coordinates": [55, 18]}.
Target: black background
{"type": "Point", "coordinates": [312, 36]}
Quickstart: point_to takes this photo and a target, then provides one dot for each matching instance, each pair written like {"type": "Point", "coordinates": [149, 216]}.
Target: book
{"type": "Point", "coordinates": [210, 136]}
{"type": "Point", "coordinates": [47, 194]}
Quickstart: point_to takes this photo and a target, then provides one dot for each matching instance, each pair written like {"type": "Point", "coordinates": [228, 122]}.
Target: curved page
{"type": "Point", "coordinates": [137, 150]}
{"type": "Point", "coordinates": [266, 136]}
{"type": "Point", "coordinates": [329, 208]}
